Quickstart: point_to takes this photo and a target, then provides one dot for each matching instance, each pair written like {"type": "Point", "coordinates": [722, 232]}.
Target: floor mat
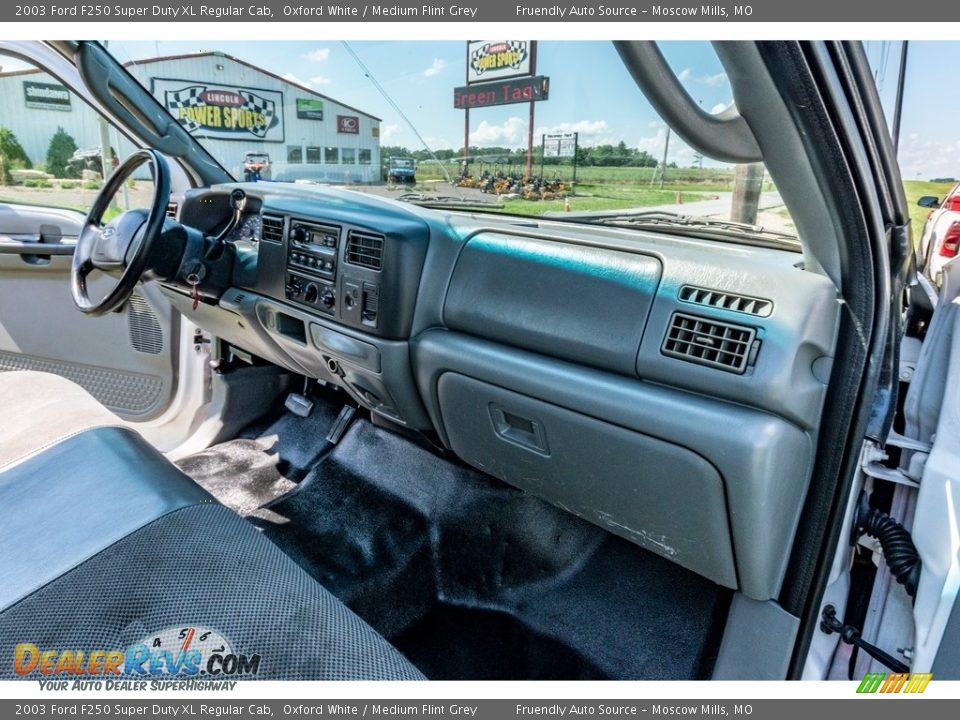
{"type": "Point", "coordinates": [474, 579]}
{"type": "Point", "coordinates": [241, 474]}
{"type": "Point", "coordinates": [266, 462]}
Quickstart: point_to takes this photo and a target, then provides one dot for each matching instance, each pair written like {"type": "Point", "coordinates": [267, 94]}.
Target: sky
{"type": "Point", "coordinates": [590, 92]}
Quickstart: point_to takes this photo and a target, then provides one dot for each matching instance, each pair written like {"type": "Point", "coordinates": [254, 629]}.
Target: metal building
{"type": "Point", "coordinates": [232, 106]}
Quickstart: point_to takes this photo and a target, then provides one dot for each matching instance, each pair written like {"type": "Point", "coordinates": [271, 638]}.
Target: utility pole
{"type": "Point", "coordinates": [533, 72]}
{"type": "Point", "coordinates": [663, 165]}
{"type": "Point", "coordinates": [106, 160]}
{"type": "Point", "coordinates": [747, 182]}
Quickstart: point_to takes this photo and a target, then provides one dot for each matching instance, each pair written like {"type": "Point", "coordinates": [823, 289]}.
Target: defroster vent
{"type": "Point", "coordinates": [365, 250]}
{"type": "Point", "coordinates": [712, 343]}
{"type": "Point", "coordinates": [726, 300]}
{"type": "Point", "coordinates": [271, 228]}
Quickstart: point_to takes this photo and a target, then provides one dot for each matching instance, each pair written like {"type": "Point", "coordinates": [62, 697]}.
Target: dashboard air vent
{"type": "Point", "coordinates": [726, 301]}
{"type": "Point", "coordinates": [365, 250]}
{"type": "Point", "coordinates": [271, 229]}
{"type": "Point", "coordinates": [172, 209]}
{"type": "Point", "coordinates": [709, 342]}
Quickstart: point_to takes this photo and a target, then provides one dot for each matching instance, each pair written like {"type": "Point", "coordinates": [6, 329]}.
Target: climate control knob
{"type": "Point", "coordinates": [299, 234]}
{"type": "Point", "coordinates": [327, 298]}
{"type": "Point", "coordinates": [310, 293]}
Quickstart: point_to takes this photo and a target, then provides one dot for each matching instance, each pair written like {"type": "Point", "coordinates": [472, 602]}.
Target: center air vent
{"type": "Point", "coordinates": [708, 342]}
{"type": "Point", "coordinates": [365, 250]}
{"type": "Point", "coordinates": [726, 300]}
{"type": "Point", "coordinates": [271, 229]}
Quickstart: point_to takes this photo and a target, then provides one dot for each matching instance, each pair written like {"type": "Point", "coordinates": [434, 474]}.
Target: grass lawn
{"type": "Point", "coordinates": [915, 189]}
{"type": "Point", "coordinates": [604, 197]}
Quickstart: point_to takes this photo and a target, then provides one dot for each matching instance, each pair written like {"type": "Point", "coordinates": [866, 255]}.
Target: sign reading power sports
{"type": "Point", "coordinates": [224, 112]}
{"type": "Point", "coordinates": [497, 59]}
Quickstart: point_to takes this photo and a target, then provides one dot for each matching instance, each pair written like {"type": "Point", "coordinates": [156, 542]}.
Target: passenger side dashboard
{"type": "Point", "coordinates": [667, 389]}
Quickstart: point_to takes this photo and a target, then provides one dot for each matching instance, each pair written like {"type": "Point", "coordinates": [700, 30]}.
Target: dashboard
{"type": "Point", "coordinates": [651, 384]}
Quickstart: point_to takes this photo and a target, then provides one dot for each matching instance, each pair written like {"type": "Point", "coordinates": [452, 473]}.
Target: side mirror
{"type": "Point", "coordinates": [929, 201]}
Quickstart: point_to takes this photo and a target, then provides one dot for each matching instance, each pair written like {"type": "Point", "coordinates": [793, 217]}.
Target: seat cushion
{"type": "Point", "coordinates": [207, 569]}
{"type": "Point", "coordinates": [106, 547]}
{"type": "Point", "coordinates": [64, 504]}
{"type": "Point", "coordinates": [40, 409]}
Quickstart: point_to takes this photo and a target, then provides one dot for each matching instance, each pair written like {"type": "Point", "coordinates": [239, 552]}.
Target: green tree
{"type": "Point", "coordinates": [12, 149]}
{"type": "Point", "coordinates": [12, 155]}
{"type": "Point", "coordinates": [62, 147]}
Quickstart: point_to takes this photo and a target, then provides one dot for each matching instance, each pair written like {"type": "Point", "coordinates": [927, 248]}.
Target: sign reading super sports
{"type": "Point", "coordinates": [224, 112]}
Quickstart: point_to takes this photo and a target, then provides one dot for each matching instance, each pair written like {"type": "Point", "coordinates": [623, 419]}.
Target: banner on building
{"type": "Point", "coordinates": [224, 112]}
{"type": "Point", "coordinates": [309, 109]}
{"type": "Point", "coordinates": [349, 124]}
{"type": "Point", "coordinates": [46, 96]}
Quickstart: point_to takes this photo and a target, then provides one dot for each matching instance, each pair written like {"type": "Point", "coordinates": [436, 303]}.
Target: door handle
{"type": "Point", "coordinates": [33, 245]}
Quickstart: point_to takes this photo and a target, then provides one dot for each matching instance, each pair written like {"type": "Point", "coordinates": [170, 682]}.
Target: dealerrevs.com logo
{"type": "Point", "coordinates": [179, 651]}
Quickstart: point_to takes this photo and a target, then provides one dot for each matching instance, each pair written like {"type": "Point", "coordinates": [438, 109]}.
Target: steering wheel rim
{"type": "Point", "coordinates": [123, 245]}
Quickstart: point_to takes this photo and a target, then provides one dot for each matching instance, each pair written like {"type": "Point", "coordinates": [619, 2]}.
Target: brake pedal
{"type": "Point", "coordinates": [298, 405]}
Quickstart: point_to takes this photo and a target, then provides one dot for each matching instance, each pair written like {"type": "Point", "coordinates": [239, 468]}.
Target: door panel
{"type": "Point", "coordinates": [125, 359]}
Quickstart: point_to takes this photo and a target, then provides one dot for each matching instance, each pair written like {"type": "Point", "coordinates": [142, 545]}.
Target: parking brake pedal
{"type": "Point", "coordinates": [298, 405]}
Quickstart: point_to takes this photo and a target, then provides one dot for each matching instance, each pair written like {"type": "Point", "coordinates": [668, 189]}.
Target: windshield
{"type": "Point", "coordinates": [546, 128]}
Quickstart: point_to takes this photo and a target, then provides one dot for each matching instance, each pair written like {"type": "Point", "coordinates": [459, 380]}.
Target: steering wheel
{"type": "Point", "coordinates": [122, 247]}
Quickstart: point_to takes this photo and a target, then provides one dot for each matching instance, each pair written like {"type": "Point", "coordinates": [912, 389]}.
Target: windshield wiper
{"type": "Point", "coordinates": [688, 225]}
{"type": "Point", "coordinates": [448, 201]}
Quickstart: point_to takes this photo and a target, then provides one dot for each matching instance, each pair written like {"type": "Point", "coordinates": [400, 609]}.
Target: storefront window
{"type": "Point", "coordinates": [331, 155]}
{"type": "Point", "coordinates": [294, 154]}
{"type": "Point", "coordinates": [313, 155]}
{"type": "Point", "coordinates": [364, 157]}
{"type": "Point", "coordinates": [348, 156]}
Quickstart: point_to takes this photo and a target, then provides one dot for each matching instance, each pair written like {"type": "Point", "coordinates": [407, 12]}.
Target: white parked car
{"type": "Point", "coordinates": [941, 233]}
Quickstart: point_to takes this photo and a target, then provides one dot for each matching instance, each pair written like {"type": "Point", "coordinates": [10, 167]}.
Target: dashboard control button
{"type": "Point", "coordinates": [327, 297]}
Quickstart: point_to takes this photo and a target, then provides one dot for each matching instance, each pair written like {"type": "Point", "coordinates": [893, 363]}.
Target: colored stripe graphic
{"type": "Point", "coordinates": [894, 683]}
{"type": "Point", "coordinates": [871, 682]}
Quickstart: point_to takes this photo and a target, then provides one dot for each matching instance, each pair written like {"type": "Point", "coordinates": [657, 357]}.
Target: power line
{"type": "Point", "coordinates": [396, 108]}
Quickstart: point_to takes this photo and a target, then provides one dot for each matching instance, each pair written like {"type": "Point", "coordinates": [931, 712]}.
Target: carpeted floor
{"type": "Point", "coordinates": [469, 577]}
{"type": "Point", "coordinates": [473, 579]}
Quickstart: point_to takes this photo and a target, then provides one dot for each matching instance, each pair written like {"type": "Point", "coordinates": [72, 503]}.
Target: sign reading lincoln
{"type": "Point", "coordinates": [223, 112]}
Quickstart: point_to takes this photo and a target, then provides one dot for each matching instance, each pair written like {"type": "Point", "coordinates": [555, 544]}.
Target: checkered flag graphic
{"type": "Point", "coordinates": [185, 98]}
{"type": "Point", "coordinates": [263, 107]}
{"type": "Point", "coordinates": [516, 46]}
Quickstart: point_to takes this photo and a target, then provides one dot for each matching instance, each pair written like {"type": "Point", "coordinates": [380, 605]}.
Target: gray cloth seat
{"type": "Point", "coordinates": [106, 546]}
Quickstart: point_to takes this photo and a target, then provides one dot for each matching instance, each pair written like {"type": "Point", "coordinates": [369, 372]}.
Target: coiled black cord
{"type": "Point", "coordinates": [898, 548]}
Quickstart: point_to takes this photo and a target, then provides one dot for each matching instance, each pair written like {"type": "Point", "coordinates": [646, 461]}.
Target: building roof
{"type": "Point", "coordinates": [214, 53]}
{"type": "Point", "coordinates": [217, 53]}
